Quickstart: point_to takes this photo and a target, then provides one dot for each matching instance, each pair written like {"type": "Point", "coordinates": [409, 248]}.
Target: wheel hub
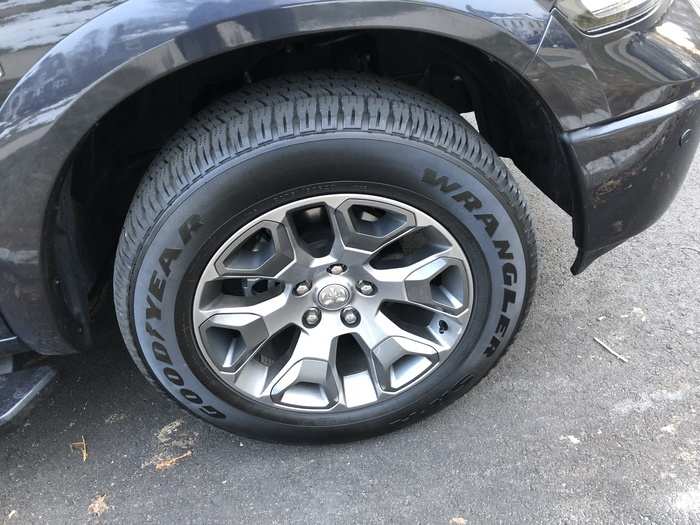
{"type": "Point", "coordinates": [333, 296]}
{"type": "Point", "coordinates": [332, 303]}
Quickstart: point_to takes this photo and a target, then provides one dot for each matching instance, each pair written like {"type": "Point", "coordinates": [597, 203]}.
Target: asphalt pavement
{"type": "Point", "coordinates": [560, 432]}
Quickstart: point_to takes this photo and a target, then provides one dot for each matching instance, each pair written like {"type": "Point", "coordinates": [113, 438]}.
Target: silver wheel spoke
{"type": "Point", "coordinates": [235, 333]}
{"type": "Point", "coordinates": [399, 274]}
{"type": "Point", "coordinates": [384, 327]}
{"type": "Point", "coordinates": [233, 338]}
{"type": "Point", "coordinates": [367, 225]}
{"type": "Point", "coordinates": [262, 250]}
{"type": "Point", "coordinates": [417, 283]}
{"type": "Point", "coordinates": [309, 379]}
{"type": "Point", "coordinates": [442, 284]}
{"type": "Point", "coordinates": [399, 361]}
{"type": "Point", "coordinates": [274, 312]}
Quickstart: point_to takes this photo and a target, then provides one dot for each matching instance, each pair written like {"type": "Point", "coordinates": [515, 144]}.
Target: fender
{"type": "Point", "coordinates": [129, 46]}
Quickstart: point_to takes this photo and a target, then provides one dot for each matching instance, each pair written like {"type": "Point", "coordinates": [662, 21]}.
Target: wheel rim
{"type": "Point", "coordinates": [332, 303]}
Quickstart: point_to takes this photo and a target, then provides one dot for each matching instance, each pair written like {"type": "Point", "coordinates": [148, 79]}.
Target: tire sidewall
{"type": "Point", "coordinates": [456, 193]}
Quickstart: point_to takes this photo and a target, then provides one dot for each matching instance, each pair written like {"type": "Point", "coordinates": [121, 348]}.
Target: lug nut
{"type": "Point", "coordinates": [302, 288]}
{"type": "Point", "coordinates": [350, 316]}
{"type": "Point", "coordinates": [366, 288]}
{"type": "Point", "coordinates": [312, 317]}
{"type": "Point", "coordinates": [337, 269]}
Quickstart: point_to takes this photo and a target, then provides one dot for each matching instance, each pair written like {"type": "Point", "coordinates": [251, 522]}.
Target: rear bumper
{"type": "Point", "coordinates": [628, 171]}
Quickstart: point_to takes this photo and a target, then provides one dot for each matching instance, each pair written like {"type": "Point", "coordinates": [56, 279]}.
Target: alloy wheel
{"type": "Point", "coordinates": [332, 303]}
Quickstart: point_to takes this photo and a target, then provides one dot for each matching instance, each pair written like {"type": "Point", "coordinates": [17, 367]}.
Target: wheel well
{"type": "Point", "coordinates": [101, 176]}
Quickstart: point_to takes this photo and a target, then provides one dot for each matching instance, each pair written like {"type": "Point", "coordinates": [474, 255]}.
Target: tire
{"type": "Point", "coordinates": [273, 144]}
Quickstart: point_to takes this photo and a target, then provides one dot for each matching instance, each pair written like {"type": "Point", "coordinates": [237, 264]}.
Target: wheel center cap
{"type": "Point", "coordinates": [333, 296]}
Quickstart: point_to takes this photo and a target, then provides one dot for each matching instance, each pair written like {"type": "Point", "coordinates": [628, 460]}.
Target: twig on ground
{"type": "Point", "coordinates": [165, 464]}
{"type": "Point", "coordinates": [610, 350]}
{"type": "Point", "coordinates": [696, 250]}
{"type": "Point", "coordinates": [82, 447]}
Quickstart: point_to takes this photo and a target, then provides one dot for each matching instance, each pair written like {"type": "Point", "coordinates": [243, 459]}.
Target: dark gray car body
{"type": "Point", "coordinates": [626, 102]}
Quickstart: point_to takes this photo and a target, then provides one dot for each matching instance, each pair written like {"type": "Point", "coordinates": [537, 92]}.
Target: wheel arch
{"type": "Point", "coordinates": [54, 108]}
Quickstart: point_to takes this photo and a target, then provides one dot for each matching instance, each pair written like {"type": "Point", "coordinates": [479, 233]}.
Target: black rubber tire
{"type": "Point", "coordinates": [293, 137]}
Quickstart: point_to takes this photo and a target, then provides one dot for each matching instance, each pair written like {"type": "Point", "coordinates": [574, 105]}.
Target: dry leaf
{"type": "Point", "coordinates": [165, 434]}
{"type": "Point", "coordinates": [165, 464]}
{"type": "Point", "coordinates": [82, 447]}
{"type": "Point", "coordinates": [458, 521]}
{"type": "Point", "coordinates": [11, 515]}
{"type": "Point", "coordinates": [98, 506]}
